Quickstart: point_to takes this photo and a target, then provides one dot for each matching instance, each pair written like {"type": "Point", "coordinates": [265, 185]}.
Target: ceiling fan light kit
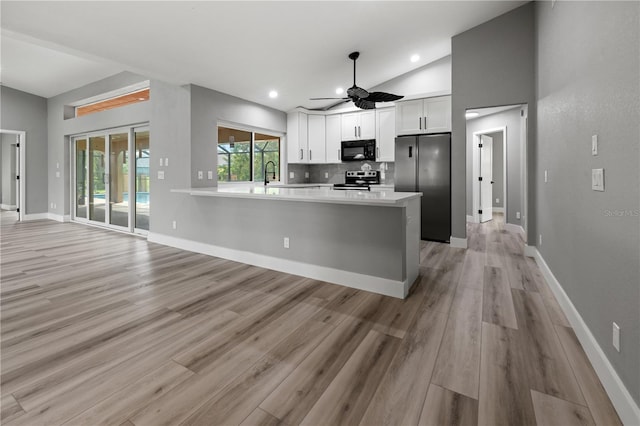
{"type": "Point", "coordinates": [359, 96]}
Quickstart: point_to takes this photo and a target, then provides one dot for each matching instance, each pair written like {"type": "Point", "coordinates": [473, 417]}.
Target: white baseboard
{"type": "Point", "coordinates": [384, 286]}
{"type": "Point", "coordinates": [514, 228]}
{"type": "Point", "coordinates": [498, 209]}
{"type": "Point", "coordinates": [36, 216]}
{"type": "Point", "coordinates": [60, 218]}
{"type": "Point", "coordinates": [8, 207]}
{"type": "Point", "coordinates": [622, 400]}
{"type": "Point", "coordinates": [458, 242]}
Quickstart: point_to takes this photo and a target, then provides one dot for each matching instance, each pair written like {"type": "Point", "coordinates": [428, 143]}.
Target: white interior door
{"type": "Point", "coordinates": [486, 178]}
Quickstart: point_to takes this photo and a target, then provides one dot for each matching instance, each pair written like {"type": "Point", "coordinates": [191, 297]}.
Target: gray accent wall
{"type": "Point", "coordinates": [26, 112]}
{"type": "Point", "coordinates": [588, 56]}
{"type": "Point", "coordinates": [8, 168]}
{"type": "Point", "coordinates": [492, 64]}
{"type": "Point", "coordinates": [511, 120]}
{"type": "Point", "coordinates": [498, 170]}
{"type": "Point", "coordinates": [60, 129]}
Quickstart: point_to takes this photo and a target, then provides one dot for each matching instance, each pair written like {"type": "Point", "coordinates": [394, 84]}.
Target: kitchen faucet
{"type": "Point", "coordinates": [266, 170]}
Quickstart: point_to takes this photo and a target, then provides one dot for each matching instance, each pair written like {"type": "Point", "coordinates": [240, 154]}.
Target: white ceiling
{"type": "Point", "coordinates": [241, 48]}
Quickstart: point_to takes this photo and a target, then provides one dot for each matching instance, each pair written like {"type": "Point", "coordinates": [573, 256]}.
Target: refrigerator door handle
{"type": "Point", "coordinates": [410, 151]}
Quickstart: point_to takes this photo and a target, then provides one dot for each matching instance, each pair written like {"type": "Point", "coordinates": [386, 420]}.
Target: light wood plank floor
{"type": "Point", "coordinates": [105, 328]}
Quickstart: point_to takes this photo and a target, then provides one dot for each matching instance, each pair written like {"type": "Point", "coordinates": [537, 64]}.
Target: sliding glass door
{"type": "Point", "coordinates": [104, 178]}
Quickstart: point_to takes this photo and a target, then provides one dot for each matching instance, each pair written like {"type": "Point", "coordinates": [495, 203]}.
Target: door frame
{"type": "Point", "coordinates": [476, 169]}
{"type": "Point", "coordinates": [107, 144]}
{"type": "Point", "coordinates": [20, 170]}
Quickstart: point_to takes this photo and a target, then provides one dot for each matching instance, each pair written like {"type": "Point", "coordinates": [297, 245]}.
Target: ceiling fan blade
{"type": "Point", "coordinates": [383, 97]}
{"type": "Point", "coordinates": [322, 99]}
{"type": "Point", "coordinates": [357, 92]}
{"type": "Point", "coordinates": [364, 104]}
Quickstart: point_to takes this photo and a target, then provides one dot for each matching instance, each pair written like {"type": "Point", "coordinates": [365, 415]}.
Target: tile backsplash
{"type": "Point", "coordinates": [335, 172]}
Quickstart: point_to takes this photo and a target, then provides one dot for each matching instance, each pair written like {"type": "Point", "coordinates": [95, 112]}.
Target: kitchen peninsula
{"type": "Point", "coordinates": [360, 239]}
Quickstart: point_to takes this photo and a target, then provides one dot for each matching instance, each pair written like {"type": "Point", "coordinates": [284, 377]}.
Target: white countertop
{"type": "Point", "coordinates": [313, 194]}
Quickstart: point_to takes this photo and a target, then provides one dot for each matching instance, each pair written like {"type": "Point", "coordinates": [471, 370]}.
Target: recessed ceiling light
{"type": "Point", "coordinates": [471, 114]}
{"type": "Point", "coordinates": [339, 91]}
{"type": "Point", "coordinates": [273, 94]}
{"type": "Point", "coordinates": [415, 58]}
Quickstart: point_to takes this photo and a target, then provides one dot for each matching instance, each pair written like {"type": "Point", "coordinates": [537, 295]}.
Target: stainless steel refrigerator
{"type": "Point", "coordinates": [423, 164]}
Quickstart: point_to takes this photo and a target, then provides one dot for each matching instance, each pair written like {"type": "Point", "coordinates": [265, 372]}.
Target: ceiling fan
{"type": "Point", "coordinates": [360, 97]}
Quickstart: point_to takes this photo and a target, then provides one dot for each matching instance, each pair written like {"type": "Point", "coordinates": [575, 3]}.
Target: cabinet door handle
{"type": "Point", "coordinates": [301, 154]}
{"type": "Point", "coordinates": [425, 122]}
{"type": "Point", "coordinates": [309, 155]}
{"type": "Point", "coordinates": [359, 131]}
{"type": "Point", "coordinates": [420, 121]}
{"type": "Point", "coordinates": [355, 131]}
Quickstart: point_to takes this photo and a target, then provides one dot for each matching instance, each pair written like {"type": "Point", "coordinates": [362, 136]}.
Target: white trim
{"type": "Point", "coordinates": [471, 218]}
{"type": "Point", "coordinates": [60, 218]}
{"type": "Point", "coordinates": [458, 242]}
{"type": "Point", "coordinates": [35, 216]}
{"type": "Point", "coordinates": [370, 283]}
{"type": "Point", "coordinates": [133, 88]}
{"type": "Point", "coordinates": [622, 400]}
{"type": "Point", "coordinates": [514, 228]}
{"type": "Point", "coordinates": [498, 209]}
{"type": "Point", "coordinates": [21, 170]}
{"type": "Point", "coordinates": [8, 206]}
{"type": "Point", "coordinates": [530, 251]}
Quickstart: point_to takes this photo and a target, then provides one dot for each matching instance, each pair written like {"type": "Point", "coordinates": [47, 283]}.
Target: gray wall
{"type": "Point", "coordinates": [510, 119]}
{"type": "Point", "coordinates": [8, 174]}
{"type": "Point", "coordinates": [207, 108]}
{"type": "Point", "coordinates": [492, 65]}
{"type": "Point", "coordinates": [60, 129]}
{"type": "Point", "coordinates": [498, 169]}
{"type": "Point", "coordinates": [26, 112]}
{"type": "Point", "coordinates": [588, 83]}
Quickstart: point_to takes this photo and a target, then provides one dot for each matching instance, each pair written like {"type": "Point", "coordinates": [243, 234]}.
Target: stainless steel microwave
{"type": "Point", "coordinates": [359, 150]}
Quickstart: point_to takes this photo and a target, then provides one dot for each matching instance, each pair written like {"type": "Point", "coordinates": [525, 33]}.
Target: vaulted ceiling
{"type": "Point", "coordinates": [242, 48]}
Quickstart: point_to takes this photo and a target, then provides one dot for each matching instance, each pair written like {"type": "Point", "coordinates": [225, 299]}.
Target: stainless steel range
{"type": "Point", "coordinates": [358, 180]}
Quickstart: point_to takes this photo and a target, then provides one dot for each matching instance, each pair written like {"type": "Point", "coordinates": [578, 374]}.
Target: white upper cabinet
{"type": "Point", "coordinates": [297, 137]}
{"type": "Point", "coordinates": [317, 148]}
{"type": "Point", "coordinates": [358, 125]}
{"type": "Point", "coordinates": [430, 115]}
{"type": "Point", "coordinates": [385, 134]}
{"type": "Point", "coordinates": [333, 137]}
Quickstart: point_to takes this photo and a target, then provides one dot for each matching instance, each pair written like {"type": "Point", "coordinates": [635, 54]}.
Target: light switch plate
{"type": "Point", "coordinates": [200, 174]}
{"type": "Point", "coordinates": [210, 175]}
{"type": "Point", "coordinates": [326, 175]}
{"type": "Point", "coordinates": [306, 175]}
{"type": "Point", "coordinates": [546, 177]}
{"type": "Point", "coordinates": [160, 174]}
{"type": "Point", "coordinates": [594, 145]}
{"type": "Point", "coordinates": [166, 161]}
{"type": "Point", "coordinates": [597, 179]}
{"type": "Point", "coordinates": [291, 175]}
{"type": "Point", "coordinates": [161, 162]}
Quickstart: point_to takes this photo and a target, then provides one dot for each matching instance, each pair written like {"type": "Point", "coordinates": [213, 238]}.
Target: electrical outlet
{"type": "Point", "coordinates": [594, 145]}
{"type": "Point", "coordinates": [51, 205]}
{"type": "Point", "coordinates": [161, 162]}
{"type": "Point", "coordinates": [326, 175]}
{"type": "Point", "coordinates": [57, 174]}
{"type": "Point", "coordinates": [597, 179]}
{"type": "Point", "coordinates": [57, 165]}
{"type": "Point", "coordinates": [306, 175]}
{"type": "Point", "coordinates": [546, 177]}
{"type": "Point", "coordinates": [517, 215]}
{"type": "Point", "coordinates": [616, 336]}
{"type": "Point", "coordinates": [160, 174]}
{"type": "Point", "coordinates": [210, 175]}
{"type": "Point", "coordinates": [200, 175]}
{"type": "Point", "coordinates": [540, 240]}
{"type": "Point", "coordinates": [286, 242]}
{"type": "Point", "coordinates": [174, 224]}
{"type": "Point", "coordinates": [292, 175]}
{"type": "Point", "coordinates": [497, 200]}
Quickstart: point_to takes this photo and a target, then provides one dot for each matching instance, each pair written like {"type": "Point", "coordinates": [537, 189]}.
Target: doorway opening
{"type": "Point", "coordinates": [497, 171]}
{"type": "Point", "coordinates": [111, 182]}
{"type": "Point", "coordinates": [12, 166]}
